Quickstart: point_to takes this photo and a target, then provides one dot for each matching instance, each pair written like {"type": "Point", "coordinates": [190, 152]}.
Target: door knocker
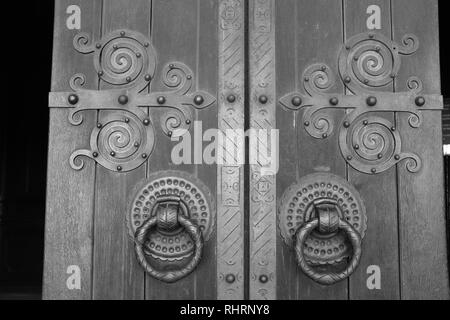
{"type": "Point", "coordinates": [323, 218]}
{"type": "Point", "coordinates": [171, 216]}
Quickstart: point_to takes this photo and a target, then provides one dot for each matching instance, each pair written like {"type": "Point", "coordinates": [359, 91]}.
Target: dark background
{"type": "Point", "coordinates": [23, 141]}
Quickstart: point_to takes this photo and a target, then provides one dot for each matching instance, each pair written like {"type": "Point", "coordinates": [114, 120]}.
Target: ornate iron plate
{"type": "Point", "coordinates": [196, 203]}
{"type": "Point", "coordinates": [296, 208]}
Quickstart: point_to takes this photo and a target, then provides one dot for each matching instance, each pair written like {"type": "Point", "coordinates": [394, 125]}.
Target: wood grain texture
{"type": "Point", "coordinates": [185, 31]}
{"type": "Point", "coordinates": [116, 272]}
{"type": "Point", "coordinates": [70, 201]}
{"type": "Point", "coordinates": [423, 260]}
{"type": "Point", "coordinates": [306, 33]}
{"type": "Point", "coordinates": [379, 192]}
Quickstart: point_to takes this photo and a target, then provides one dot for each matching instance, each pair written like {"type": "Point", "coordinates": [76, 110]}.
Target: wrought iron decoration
{"type": "Point", "coordinates": [324, 219]}
{"type": "Point", "coordinates": [124, 138]}
{"type": "Point", "coordinates": [171, 215]}
{"type": "Point", "coordinates": [368, 143]}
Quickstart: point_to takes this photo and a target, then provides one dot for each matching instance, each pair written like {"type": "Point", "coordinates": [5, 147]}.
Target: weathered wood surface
{"type": "Point", "coordinates": [70, 194]}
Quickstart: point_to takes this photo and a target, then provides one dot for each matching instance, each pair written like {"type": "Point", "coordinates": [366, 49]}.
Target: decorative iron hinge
{"type": "Point", "coordinates": [126, 61]}
{"type": "Point", "coordinates": [369, 143]}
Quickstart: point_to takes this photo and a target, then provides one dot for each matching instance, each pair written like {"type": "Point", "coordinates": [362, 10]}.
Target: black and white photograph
{"type": "Point", "coordinates": [243, 151]}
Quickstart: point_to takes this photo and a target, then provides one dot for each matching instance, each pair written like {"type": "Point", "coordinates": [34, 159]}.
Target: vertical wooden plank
{"type": "Point", "coordinates": [177, 42]}
{"type": "Point", "coordinates": [230, 176]}
{"type": "Point", "coordinates": [262, 215]}
{"type": "Point", "coordinates": [70, 201]}
{"type": "Point", "coordinates": [379, 192]}
{"type": "Point", "coordinates": [306, 33]}
{"type": "Point", "coordinates": [423, 260]}
{"type": "Point", "coordinates": [117, 274]}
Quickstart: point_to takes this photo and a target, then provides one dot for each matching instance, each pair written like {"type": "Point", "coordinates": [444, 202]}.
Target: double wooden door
{"type": "Point", "coordinates": [232, 149]}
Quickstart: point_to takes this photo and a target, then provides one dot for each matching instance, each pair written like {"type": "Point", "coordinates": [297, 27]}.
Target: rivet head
{"type": "Point", "coordinates": [371, 35]}
{"type": "Point", "coordinates": [334, 101]}
{"type": "Point", "coordinates": [347, 79]}
{"type": "Point", "coordinates": [377, 49]}
{"type": "Point", "coordinates": [231, 98]}
{"type": "Point", "coordinates": [123, 99]}
{"type": "Point", "coordinates": [296, 101]}
{"type": "Point", "coordinates": [161, 100]}
{"type": "Point", "coordinates": [365, 122]}
{"type": "Point", "coordinates": [346, 124]}
{"type": "Point", "coordinates": [366, 81]}
{"type": "Point", "coordinates": [420, 101]}
{"type": "Point", "coordinates": [355, 58]}
{"type": "Point", "coordinates": [188, 121]}
{"type": "Point", "coordinates": [371, 101]}
{"type": "Point", "coordinates": [393, 128]}
{"type": "Point", "coordinates": [99, 125]}
{"type": "Point", "coordinates": [73, 99]}
{"type": "Point", "coordinates": [373, 170]}
{"type": "Point", "coordinates": [128, 79]}
{"type": "Point", "coordinates": [323, 68]}
{"type": "Point", "coordinates": [263, 278]}
{"type": "Point", "coordinates": [115, 47]}
{"type": "Point", "coordinates": [127, 120]}
{"type": "Point", "coordinates": [112, 153]}
{"type": "Point", "coordinates": [324, 135]}
{"type": "Point", "coordinates": [98, 45]}
{"type": "Point", "coordinates": [100, 73]}
{"type": "Point", "coordinates": [138, 54]}
{"type": "Point", "coordinates": [136, 144]}
{"type": "Point", "coordinates": [263, 99]}
{"type": "Point", "coordinates": [397, 157]}
{"type": "Point", "coordinates": [198, 100]}
{"type": "Point", "coordinates": [95, 154]}
{"type": "Point", "coordinates": [144, 156]}
{"type": "Point", "coordinates": [146, 44]}
{"type": "Point", "coordinates": [230, 278]}
{"type": "Point", "coordinates": [122, 33]}
{"type": "Point", "coordinates": [170, 133]}
{"type": "Point", "coordinates": [356, 147]}
{"type": "Point", "coordinates": [349, 158]}
{"type": "Point", "coordinates": [148, 77]}
{"type": "Point", "coordinates": [306, 123]}
{"type": "Point", "coordinates": [146, 122]}
{"type": "Point", "coordinates": [119, 168]}
{"type": "Point", "coordinates": [380, 156]}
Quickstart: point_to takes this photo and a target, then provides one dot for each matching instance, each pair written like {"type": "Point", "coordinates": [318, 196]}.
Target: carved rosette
{"type": "Point", "coordinates": [368, 143]}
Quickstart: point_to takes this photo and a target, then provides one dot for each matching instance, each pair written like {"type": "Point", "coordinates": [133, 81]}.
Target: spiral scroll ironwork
{"type": "Point", "coordinates": [371, 60]}
{"type": "Point", "coordinates": [122, 142]}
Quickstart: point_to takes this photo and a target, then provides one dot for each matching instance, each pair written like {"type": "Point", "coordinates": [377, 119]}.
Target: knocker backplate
{"type": "Point", "coordinates": [196, 203]}
{"type": "Point", "coordinates": [295, 210]}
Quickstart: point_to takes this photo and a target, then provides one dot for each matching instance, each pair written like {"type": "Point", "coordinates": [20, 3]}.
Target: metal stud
{"type": "Point", "coordinates": [420, 101]}
{"type": "Point", "coordinates": [144, 156]}
{"type": "Point", "coordinates": [365, 122]}
{"type": "Point", "coordinates": [230, 278]}
{"type": "Point", "coordinates": [397, 157]}
{"type": "Point", "coordinates": [324, 135]}
{"type": "Point", "coordinates": [127, 120]}
{"type": "Point", "coordinates": [263, 99]}
{"type": "Point", "coordinates": [122, 33]}
{"type": "Point", "coordinates": [128, 79]}
{"type": "Point", "coordinates": [100, 73]}
{"type": "Point", "coordinates": [347, 79]}
{"type": "Point", "coordinates": [380, 156]}
{"type": "Point", "coordinates": [356, 147]}
{"type": "Point", "coordinates": [346, 124]}
{"type": "Point", "coordinates": [136, 144]}
{"type": "Point", "coordinates": [334, 101]}
{"type": "Point", "coordinates": [170, 133]}
{"type": "Point", "coordinates": [161, 100]}
{"type": "Point", "coordinates": [306, 123]}
{"type": "Point", "coordinates": [98, 45]}
{"type": "Point", "coordinates": [119, 168]}
{"type": "Point", "coordinates": [99, 125]}
{"type": "Point", "coordinates": [112, 153]}
{"type": "Point", "coordinates": [231, 98]}
{"type": "Point", "coordinates": [374, 170]}
{"type": "Point", "coordinates": [138, 55]}
{"type": "Point", "coordinates": [123, 99]}
{"type": "Point", "coordinates": [297, 101]}
{"type": "Point", "coordinates": [263, 278]}
{"type": "Point", "coordinates": [198, 100]}
{"type": "Point", "coordinates": [349, 158]}
{"type": "Point", "coordinates": [73, 99]}
{"type": "Point", "coordinates": [146, 122]}
{"type": "Point", "coordinates": [148, 77]}
{"type": "Point", "coordinates": [188, 121]}
{"type": "Point", "coordinates": [371, 101]}
{"type": "Point", "coordinates": [95, 154]}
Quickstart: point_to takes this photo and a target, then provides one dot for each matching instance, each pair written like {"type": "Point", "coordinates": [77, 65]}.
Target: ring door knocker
{"type": "Point", "coordinates": [171, 216]}
{"type": "Point", "coordinates": [323, 218]}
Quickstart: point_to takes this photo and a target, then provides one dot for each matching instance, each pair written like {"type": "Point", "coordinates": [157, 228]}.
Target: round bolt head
{"type": "Point", "coordinates": [122, 33]}
{"type": "Point", "coordinates": [393, 128]}
{"type": "Point", "coordinates": [112, 153]}
{"type": "Point", "coordinates": [146, 44]}
{"type": "Point", "coordinates": [115, 47]}
{"type": "Point", "coordinates": [128, 79]}
{"type": "Point", "coordinates": [170, 133]}
{"type": "Point", "coordinates": [334, 101]}
{"type": "Point", "coordinates": [73, 99]}
{"type": "Point", "coordinates": [263, 278]}
{"type": "Point", "coordinates": [98, 45]}
{"type": "Point", "coordinates": [146, 122]}
{"type": "Point", "coordinates": [100, 73]}
{"type": "Point", "coordinates": [138, 55]}
{"type": "Point", "coordinates": [365, 122]}
{"type": "Point", "coordinates": [231, 98]}
{"type": "Point", "coordinates": [373, 170]}
{"type": "Point", "coordinates": [263, 99]}
{"type": "Point", "coordinates": [148, 77]}
{"type": "Point", "coordinates": [230, 278]}
{"type": "Point", "coordinates": [198, 100]}
{"type": "Point", "coordinates": [99, 125]}
{"type": "Point", "coordinates": [306, 123]}
{"type": "Point", "coordinates": [144, 156]}
{"type": "Point", "coordinates": [161, 100]}
{"type": "Point", "coordinates": [420, 101]}
{"type": "Point", "coordinates": [119, 168]}
{"type": "Point", "coordinates": [356, 147]}
{"type": "Point", "coordinates": [371, 101]}
{"type": "Point", "coordinates": [297, 101]}
{"type": "Point", "coordinates": [95, 154]}
{"type": "Point", "coordinates": [123, 99]}
{"type": "Point", "coordinates": [397, 157]}
{"type": "Point", "coordinates": [347, 79]}
{"type": "Point", "coordinates": [188, 121]}
{"type": "Point", "coordinates": [324, 135]}
{"type": "Point", "coordinates": [380, 156]}
{"type": "Point", "coordinates": [349, 158]}
{"type": "Point", "coordinates": [136, 144]}
{"type": "Point", "coordinates": [346, 124]}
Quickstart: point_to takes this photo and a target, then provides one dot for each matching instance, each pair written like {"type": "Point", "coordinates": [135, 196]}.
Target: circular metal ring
{"type": "Point", "coordinates": [327, 278]}
{"type": "Point", "coordinates": [172, 275]}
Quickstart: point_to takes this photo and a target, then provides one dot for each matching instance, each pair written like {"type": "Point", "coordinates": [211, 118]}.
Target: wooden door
{"type": "Point", "coordinates": [353, 88]}
{"type": "Point", "coordinates": [149, 195]}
